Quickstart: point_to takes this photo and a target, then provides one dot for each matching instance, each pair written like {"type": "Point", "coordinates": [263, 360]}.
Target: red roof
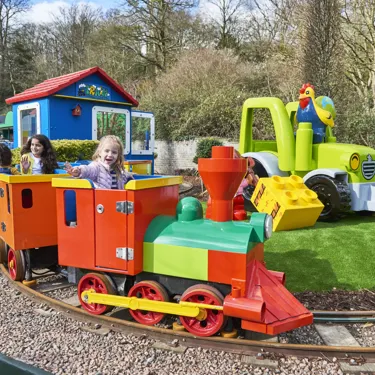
{"type": "Point", "coordinates": [53, 85]}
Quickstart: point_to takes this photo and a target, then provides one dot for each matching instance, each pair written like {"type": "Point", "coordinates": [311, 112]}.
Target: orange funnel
{"type": "Point", "coordinates": [222, 175]}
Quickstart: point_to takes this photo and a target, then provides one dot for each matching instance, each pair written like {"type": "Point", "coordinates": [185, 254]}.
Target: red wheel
{"type": "Point", "coordinates": [214, 320]}
{"type": "Point", "coordinates": [151, 290]}
{"type": "Point", "coordinates": [3, 251]}
{"type": "Point", "coordinates": [100, 284]}
{"type": "Point", "coordinates": [16, 265]}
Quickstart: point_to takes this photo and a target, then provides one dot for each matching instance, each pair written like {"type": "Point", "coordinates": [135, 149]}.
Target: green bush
{"type": "Point", "coordinates": [204, 148]}
{"type": "Point", "coordinates": [67, 150]}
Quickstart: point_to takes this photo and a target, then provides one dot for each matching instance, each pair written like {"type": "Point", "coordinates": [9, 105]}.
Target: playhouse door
{"type": "Point", "coordinates": [140, 140]}
{"type": "Point", "coordinates": [111, 229]}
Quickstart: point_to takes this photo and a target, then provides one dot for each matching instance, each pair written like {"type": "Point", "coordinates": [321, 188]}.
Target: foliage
{"type": "Point", "coordinates": [204, 148]}
{"type": "Point", "coordinates": [358, 128]}
{"type": "Point", "coordinates": [67, 150]}
{"type": "Point", "coordinates": [201, 95]}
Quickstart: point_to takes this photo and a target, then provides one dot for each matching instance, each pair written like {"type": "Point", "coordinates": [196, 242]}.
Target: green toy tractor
{"type": "Point", "coordinates": [343, 175]}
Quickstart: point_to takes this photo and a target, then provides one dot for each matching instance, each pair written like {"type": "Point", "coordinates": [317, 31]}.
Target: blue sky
{"type": "Point", "coordinates": [42, 10]}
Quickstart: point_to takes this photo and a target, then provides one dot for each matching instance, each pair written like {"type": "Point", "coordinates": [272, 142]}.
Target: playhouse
{"type": "Point", "coordinates": [85, 105]}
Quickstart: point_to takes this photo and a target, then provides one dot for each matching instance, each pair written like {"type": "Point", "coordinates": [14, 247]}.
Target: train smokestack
{"type": "Point", "coordinates": [222, 175]}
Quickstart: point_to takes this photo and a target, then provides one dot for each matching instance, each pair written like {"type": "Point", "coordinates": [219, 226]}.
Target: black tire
{"type": "Point", "coordinates": [249, 190]}
{"type": "Point", "coordinates": [333, 193]}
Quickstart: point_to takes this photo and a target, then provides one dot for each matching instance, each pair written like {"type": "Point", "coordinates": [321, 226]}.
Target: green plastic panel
{"type": "Point", "coordinates": [181, 261]}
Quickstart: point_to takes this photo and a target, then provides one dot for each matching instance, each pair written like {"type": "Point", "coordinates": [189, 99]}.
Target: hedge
{"type": "Point", "coordinates": [204, 148]}
{"type": "Point", "coordinates": [66, 150]}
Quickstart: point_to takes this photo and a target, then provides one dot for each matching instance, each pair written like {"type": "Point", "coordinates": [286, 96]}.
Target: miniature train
{"type": "Point", "coordinates": [141, 248]}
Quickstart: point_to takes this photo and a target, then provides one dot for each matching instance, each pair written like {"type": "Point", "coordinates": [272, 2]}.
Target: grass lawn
{"type": "Point", "coordinates": [329, 255]}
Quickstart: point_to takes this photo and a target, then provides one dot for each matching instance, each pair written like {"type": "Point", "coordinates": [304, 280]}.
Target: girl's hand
{"type": "Point", "coordinates": [75, 172]}
{"type": "Point", "coordinates": [25, 163]}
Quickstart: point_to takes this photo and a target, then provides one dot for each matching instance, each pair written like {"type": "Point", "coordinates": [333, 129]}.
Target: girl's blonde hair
{"type": "Point", "coordinates": [118, 166]}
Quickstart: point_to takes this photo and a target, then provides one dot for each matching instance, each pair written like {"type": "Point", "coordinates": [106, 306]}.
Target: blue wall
{"type": "Point", "coordinates": [63, 125]}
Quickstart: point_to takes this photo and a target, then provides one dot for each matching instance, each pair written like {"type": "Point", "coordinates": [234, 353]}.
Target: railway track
{"type": "Point", "coordinates": [259, 349]}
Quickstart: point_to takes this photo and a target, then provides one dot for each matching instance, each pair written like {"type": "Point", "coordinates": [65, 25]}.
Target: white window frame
{"type": "Point", "coordinates": [150, 151]}
{"type": "Point", "coordinates": [22, 107]}
{"type": "Point", "coordinates": [97, 109]}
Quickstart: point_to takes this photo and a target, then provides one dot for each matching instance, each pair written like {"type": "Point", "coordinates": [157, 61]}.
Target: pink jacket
{"type": "Point", "coordinates": [243, 185]}
{"type": "Point", "coordinates": [100, 175]}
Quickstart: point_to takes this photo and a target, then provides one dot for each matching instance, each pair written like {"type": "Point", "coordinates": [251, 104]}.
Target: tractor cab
{"type": "Point", "coordinates": [343, 175]}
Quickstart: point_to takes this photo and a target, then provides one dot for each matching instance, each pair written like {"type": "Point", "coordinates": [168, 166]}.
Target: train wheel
{"type": "Point", "coordinates": [16, 265]}
{"type": "Point", "coordinates": [3, 251]}
{"type": "Point", "coordinates": [100, 284]}
{"type": "Point", "coordinates": [214, 320]}
{"type": "Point", "coordinates": [151, 290]}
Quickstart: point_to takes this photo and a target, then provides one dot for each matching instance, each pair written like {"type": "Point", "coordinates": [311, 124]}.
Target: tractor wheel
{"type": "Point", "coordinates": [249, 190]}
{"type": "Point", "coordinates": [333, 193]}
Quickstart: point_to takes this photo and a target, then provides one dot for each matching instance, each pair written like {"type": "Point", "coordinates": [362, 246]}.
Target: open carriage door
{"type": "Point", "coordinates": [140, 137]}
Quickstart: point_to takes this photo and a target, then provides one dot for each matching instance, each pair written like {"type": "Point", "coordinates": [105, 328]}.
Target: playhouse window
{"type": "Point", "coordinates": [111, 123]}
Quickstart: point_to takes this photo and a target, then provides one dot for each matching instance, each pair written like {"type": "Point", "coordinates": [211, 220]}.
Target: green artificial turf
{"type": "Point", "coordinates": [328, 255]}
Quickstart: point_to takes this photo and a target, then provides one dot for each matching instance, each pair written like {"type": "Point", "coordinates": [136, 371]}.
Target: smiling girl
{"type": "Point", "coordinates": [107, 170]}
{"type": "Point", "coordinates": [38, 156]}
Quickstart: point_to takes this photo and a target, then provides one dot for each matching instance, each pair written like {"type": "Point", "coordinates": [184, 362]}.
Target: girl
{"type": "Point", "coordinates": [38, 156]}
{"type": "Point", "coordinates": [107, 169]}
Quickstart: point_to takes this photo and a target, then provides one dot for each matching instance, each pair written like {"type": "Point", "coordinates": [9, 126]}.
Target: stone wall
{"type": "Point", "coordinates": [178, 155]}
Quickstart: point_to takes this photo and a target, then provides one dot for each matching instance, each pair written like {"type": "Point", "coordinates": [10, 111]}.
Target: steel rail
{"type": "Point", "coordinates": [246, 347]}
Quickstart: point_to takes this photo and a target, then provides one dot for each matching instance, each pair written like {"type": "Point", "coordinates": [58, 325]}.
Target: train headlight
{"type": "Point", "coordinates": [268, 224]}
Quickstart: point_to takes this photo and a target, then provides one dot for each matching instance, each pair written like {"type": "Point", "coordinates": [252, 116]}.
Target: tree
{"type": "Point", "coordinates": [228, 22]}
{"type": "Point", "coordinates": [359, 37]}
{"type": "Point", "coordinates": [21, 58]}
{"type": "Point", "coordinates": [321, 48]}
{"type": "Point", "coordinates": [155, 30]}
{"type": "Point", "coordinates": [9, 10]}
{"type": "Point", "coordinates": [67, 38]}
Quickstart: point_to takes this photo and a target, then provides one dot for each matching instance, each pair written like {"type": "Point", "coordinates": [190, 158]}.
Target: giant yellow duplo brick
{"type": "Point", "coordinates": [288, 200]}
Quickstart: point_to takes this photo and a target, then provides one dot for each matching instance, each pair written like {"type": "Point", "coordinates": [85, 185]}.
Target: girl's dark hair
{"type": "Point", "coordinates": [48, 156]}
{"type": "Point", "coordinates": [5, 155]}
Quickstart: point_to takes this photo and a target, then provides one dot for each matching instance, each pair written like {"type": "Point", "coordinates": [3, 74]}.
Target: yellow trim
{"type": "Point", "coordinates": [191, 309]}
{"type": "Point", "coordinates": [23, 179]}
{"type": "Point", "coordinates": [153, 182]}
{"type": "Point", "coordinates": [134, 162]}
{"type": "Point", "coordinates": [92, 100]}
{"type": "Point", "coordinates": [72, 183]}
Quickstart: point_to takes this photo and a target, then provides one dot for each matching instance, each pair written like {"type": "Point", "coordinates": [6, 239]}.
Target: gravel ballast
{"type": "Point", "coordinates": [37, 335]}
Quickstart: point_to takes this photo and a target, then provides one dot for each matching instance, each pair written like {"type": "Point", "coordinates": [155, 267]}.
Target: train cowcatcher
{"type": "Point", "coordinates": [143, 249]}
